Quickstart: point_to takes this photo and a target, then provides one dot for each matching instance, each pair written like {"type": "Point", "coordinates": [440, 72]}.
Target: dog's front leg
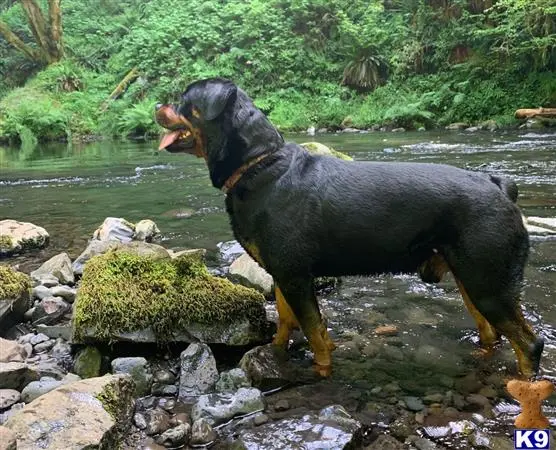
{"type": "Point", "coordinates": [299, 295]}
{"type": "Point", "coordinates": [287, 321]}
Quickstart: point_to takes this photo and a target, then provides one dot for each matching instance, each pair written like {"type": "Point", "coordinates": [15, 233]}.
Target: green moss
{"type": "Point", "coordinates": [122, 292]}
{"type": "Point", "coordinates": [12, 283]}
{"type": "Point", "coordinates": [320, 149]}
{"type": "Point", "coordinates": [88, 363]}
{"type": "Point", "coordinates": [6, 243]}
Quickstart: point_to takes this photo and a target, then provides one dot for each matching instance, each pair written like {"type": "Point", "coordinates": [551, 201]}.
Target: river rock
{"type": "Point", "coordinates": [49, 311]}
{"type": "Point", "coordinates": [232, 380]}
{"type": "Point", "coordinates": [14, 297]}
{"type": "Point", "coordinates": [41, 292]}
{"type": "Point", "coordinates": [157, 421]}
{"type": "Point", "coordinates": [386, 442]}
{"type": "Point", "coordinates": [8, 441]}
{"type": "Point", "coordinates": [17, 237]}
{"type": "Point", "coordinates": [15, 375]}
{"type": "Point", "coordinates": [66, 292]}
{"type": "Point", "coordinates": [8, 397]}
{"type": "Point", "coordinates": [202, 433]}
{"type": "Point", "coordinates": [310, 431]}
{"type": "Point", "coordinates": [457, 126]}
{"type": "Point", "coordinates": [11, 351]}
{"type": "Point", "coordinates": [88, 362]}
{"type": "Point", "coordinates": [115, 229]}
{"type": "Point", "coordinates": [145, 230]}
{"type": "Point", "coordinates": [198, 373]}
{"type": "Point", "coordinates": [229, 251]}
{"type": "Point", "coordinates": [137, 368]}
{"type": "Point", "coordinates": [37, 388]}
{"type": "Point", "coordinates": [268, 367]}
{"type": "Point", "coordinates": [64, 417]}
{"type": "Point", "coordinates": [96, 248]}
{"type": "Point", "coordinates": [58, 266]}
{"type": "Point", "coordinates": [176, 436]}
{"type": "Point", "coordinates": [221, 407]}
{"type": "Point", "coordinates": [246, 270]}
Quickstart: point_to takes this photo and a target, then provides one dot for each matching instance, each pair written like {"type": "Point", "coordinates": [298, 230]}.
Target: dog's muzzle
{"type": "Point", "coordinates": [179, 137]}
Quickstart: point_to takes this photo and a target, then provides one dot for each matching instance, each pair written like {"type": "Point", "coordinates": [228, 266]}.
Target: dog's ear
{"type": "Point", "coordinates": [215, 99]}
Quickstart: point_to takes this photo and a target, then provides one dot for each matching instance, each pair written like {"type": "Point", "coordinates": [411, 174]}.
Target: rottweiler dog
{"type": "Point", "coordinates": [301, 216]}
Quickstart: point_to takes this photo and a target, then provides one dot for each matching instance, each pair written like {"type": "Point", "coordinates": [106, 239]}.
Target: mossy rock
{"type": "Point", "coordinates": [15, 298]}
{"type": "Point", "coordinates": [124, 296]}
{"type": "Point", "coordinates": [320, 149]}
{"type": "Point", "coordinates": [88, 363]}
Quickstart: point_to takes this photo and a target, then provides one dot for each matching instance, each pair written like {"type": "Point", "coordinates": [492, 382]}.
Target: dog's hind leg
{"type": "Point", "coordinates": [286, 320]}
{"type": "Point", "coordinates": [300, 296]}
{"type": "Point", "coordinates": [487, 333]}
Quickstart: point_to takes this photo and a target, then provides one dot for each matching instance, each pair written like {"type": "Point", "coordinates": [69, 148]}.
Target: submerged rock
{"type": "Point", "coordinates": [323, 431]}
{"type": "Point", "coordinates": [221, 407]}
{"type": "Point", "coordinates": [202, 432]}
{"type": "Point", "coordinates": [17, 237]}
{"type": "Point", "coordinates": [124, 296]}
{"type": "Point", "coordinates": [64, 417]}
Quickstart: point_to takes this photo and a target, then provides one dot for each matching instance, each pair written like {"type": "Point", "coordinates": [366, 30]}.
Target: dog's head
{"type": "Point", "coordinates": [217, 121]}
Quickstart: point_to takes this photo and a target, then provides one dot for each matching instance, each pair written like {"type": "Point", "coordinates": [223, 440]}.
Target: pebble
{"type": "Point", "coordinates": [175, 437]}
{"type": "Point", "coordinates": [282, 405]}
{"type": "Point", "coordinates": [167, 403]}
{"type": "Point", "coordinates": [387, 330]}
{"type": "Point", "coordinates": [164, 377]}
{"type": "Point", "coordinates": [260, 419]}
{"type": "Point", "coordinates": [140, 421]}
{"type": "Point", "coordinates": [180, 418]}
{"type": "Point", "coordinates": [414, 403]}
{"type": "Point", "coordinates": [477, 399]}
{"type": "Point", "coordinates": [43, 347]}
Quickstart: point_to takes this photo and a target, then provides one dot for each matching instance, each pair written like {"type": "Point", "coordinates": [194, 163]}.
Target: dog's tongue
{"type": "Point", "coordinates": [168, 139]}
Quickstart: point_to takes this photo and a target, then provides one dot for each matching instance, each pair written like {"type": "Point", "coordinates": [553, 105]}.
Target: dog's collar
{"type": "Point", "coordinates": [235, 177]}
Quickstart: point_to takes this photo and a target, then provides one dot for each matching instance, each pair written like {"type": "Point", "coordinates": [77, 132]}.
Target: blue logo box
{"type": "Point", "coordinates": [531, 439]}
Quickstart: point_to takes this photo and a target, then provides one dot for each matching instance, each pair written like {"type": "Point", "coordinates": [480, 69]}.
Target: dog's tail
{"type": "Point", "coordinates": [507, 186]}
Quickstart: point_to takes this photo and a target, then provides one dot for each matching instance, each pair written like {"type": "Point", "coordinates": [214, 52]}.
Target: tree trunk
{"type": "Point", "coordinates": [56, 28]}
{"type": "Point", "coordinates": [538, 112]}
{"type": "Point", "coordinates": [47, 32]}
{"type": "Point", "coordinates": [132, 75]}
{"type": "Point", "coordinates": [17, 43]}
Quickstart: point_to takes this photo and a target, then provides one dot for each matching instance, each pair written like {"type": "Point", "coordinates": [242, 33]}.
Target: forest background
{"type": "Point", "coordinates": [88, 68]}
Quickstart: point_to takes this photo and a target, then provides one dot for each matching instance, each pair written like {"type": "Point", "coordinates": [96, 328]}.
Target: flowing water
{"type": "Point", "coordinates": [70, 190]}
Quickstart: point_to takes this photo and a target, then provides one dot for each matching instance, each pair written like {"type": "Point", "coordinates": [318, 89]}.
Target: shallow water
{"type": "Point", "coordinates": [70, 190]}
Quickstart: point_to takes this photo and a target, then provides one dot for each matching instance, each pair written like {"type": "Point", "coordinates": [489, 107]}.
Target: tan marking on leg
{"type": "Point", "coordinates": [286, 320]}
{"type": "Point", "coordinates": [487, 333]}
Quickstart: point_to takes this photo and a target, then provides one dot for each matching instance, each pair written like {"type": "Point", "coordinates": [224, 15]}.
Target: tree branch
{"type": "Point", "coordinates": [18, 44]}
{"type": "Point", "coordinates": [38, 26]}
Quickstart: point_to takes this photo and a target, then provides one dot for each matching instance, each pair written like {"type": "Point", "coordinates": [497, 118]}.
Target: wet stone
{"type": "Point", "coordinates": [260, 419]}
{"type": "Point", "coordinates": [157, 420]}
{"type": "Point", "coordinates": [167, 390]}
{"type": "Point", "coordinates": [43, 347]}
{"type": "Point", "coordinates": [180, 418]}
{"type": "Point", "coordinates": [167, 404]}
{"type": "Point", "coordinates": [414, 403]}
{"type": "Point", "coordinates": [219, 408]}
{"type": "Point", "coordinates": [198, 373]}
{"type": "Point", "coordinates": [137, 368]}
{"type": "Point", "coordinates": [140, 421]}
{"type": "Point", "coordinates": [425, 444]}
{"type": "Point", "coordinates": [309, 431]}
{"type": "Point", "coordinates": [66, 292]}
{"type": "Point", "coordinates": [282, 405]}
{"type": "Point", "coordinates": [232, 380]}
{"type": "Point", "coordinates": [175, 437]}
{"type": "Point", "coordinates": [385, 442]}
{"type": "Point", "coordinates": [163, 376]}
{"type": "Point", "coordinates": [202, 433]}
{"type": "Point", "coordinates": [38, 339]}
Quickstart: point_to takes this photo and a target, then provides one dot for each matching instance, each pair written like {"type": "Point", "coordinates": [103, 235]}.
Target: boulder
{"type": "Point", "coordinates": [232, 380]}
{"type": "Point", "coordinates": [8, 398]}
{"type": "Point", "coordinates": [198, 373]}
{"type": "Point", "coordinates": [246, 270]}
{"type": "Point", "coordinates": [96, 248]}
{"type": "Point", "coordinates": [17, 237]}
{"type": "Point", "coordinates": [127, 297]}
{"type": "Point", "coordinates": [58, 266]}
{"type": "Point", "coordinates": [221, 407]}
{"type": "Point", "coordinates": [15, 299]}
{"type": "Point", "coordinates": [320, 149]}
{"type": "Point", "coordinates": [93, 413]}
{"type": "Point", "coordinates": [15, 375]}
{"type": "Point", "coordinates": [37, 388]}
{"type": "Point", "coordinates": [333, 428]}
